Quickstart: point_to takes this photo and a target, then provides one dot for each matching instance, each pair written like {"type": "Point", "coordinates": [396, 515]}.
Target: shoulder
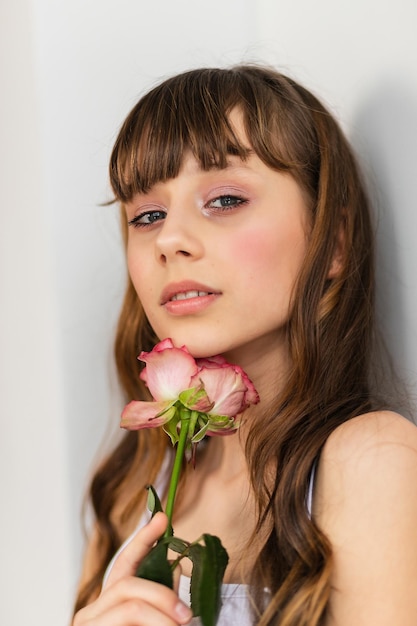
{"type": "Point", "coordinates": [370, 452]}
{"type": "Point", "coordinates": [377, 434]}
{"type": "Point", "coordinates": [366, 504]}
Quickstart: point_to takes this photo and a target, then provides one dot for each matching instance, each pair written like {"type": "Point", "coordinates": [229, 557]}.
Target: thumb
{"type": "Point", "coordinates": [141, 543]}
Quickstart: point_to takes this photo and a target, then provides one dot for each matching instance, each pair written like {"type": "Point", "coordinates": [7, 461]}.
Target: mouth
{"type": "Point", "coordinates": [187, 295]}
{"type": "Point", "coordinates": [186, 291]}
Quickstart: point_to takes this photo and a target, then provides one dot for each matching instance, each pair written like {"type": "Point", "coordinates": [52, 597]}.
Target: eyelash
{"type": "Point", "coordinates": [237, 201]}
{"type": "Point", "coordinates": [136, 223]}
{"type": "Point", "coordinates": [233, 201]}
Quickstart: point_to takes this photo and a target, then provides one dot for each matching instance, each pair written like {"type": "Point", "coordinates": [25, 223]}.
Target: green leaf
{"type": "Point", "coordinates": [178, 545]}
{"type": "Point", "coordinates": [171, 429]}
{"type": "Point", "coordinates": [156, 567]}
{"type": "Point", "coordinates": [220, 421]}
{"type": "Point", "coordinates": [199, 435]}
{"type": "Point", "coordinates": [169, 412]}
{"type": "Point", "coordinates": [154, 505]}
{"type": "Point", "coordinates": [209, 564]}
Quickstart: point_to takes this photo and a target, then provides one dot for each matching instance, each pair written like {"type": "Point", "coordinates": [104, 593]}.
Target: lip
{"type": "Point", "coordinates": [173, 289]}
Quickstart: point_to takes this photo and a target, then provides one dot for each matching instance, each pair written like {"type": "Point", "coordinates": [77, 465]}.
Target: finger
{"type": "Point", "coordinates": [135, 601]}
{"type": "Point", "coordinates": [129, 559]}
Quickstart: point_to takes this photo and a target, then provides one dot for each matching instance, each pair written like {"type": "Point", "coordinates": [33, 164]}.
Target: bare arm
{"type": "Point", "coordinates": [366, 503]}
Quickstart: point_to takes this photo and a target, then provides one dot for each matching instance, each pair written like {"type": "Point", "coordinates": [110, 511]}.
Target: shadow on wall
{"type": "Point", "coordinates": [385, 135]}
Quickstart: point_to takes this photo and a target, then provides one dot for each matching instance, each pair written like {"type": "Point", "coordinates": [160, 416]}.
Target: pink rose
{"type": "Point", "coordinates": [227, 385]}
{"type": "Point", "coordinates": [211, 389]}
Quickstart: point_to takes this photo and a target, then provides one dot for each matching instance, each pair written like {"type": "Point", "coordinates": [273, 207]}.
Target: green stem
{"type": "Point", "coordinates": [176, 470]}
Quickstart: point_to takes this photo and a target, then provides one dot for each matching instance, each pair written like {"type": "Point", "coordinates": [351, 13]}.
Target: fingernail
{"type": "Point", "coordinates": [183, 611]}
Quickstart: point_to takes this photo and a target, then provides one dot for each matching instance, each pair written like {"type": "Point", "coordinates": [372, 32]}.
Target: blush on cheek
{"type": "Point", "coordinates": [247, 244]}
{"type": "Point", "coordinates": [254, 250]}
{"type": "Point", "coordinates": [268, 254]}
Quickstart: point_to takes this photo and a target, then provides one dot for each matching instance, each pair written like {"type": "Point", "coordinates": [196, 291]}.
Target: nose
{"type": "Point", "coordinates": [179, 237]}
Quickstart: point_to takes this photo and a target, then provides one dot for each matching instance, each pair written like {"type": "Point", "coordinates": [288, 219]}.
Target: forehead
{"type": "Point", "coordinates": [213, 125]}
{"type": "Point", "coordinates": [237, 123]}
{"type": "Point", "coordinates": [191, 176]}
{"type": "Point", "coordinates": [157, 154]}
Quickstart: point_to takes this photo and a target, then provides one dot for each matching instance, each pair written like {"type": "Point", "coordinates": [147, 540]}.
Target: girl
{"type": "Point", "coordinates": [248, 234]}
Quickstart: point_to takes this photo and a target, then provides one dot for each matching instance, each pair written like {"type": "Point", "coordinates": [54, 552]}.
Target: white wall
{"type": "Point", "coordinates": [69, 73]}
{"type": "Point", "coordinates": [360, 57]}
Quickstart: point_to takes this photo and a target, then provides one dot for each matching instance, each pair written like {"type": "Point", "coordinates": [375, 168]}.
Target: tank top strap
{"type": "Point", "coordinates": [310, 490]}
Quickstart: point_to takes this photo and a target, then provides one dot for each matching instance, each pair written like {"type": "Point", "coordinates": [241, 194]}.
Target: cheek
{"type": "Point", "coordinates": [138, 272]}
{"type": "Point", "coordinates": [272, 253]}
{"type": "Point", "coordinates": [133, 267]}
{"type": "Point", "coordinates": [248, 246]}
{"type": "Point", "coordinates": [268, 258]}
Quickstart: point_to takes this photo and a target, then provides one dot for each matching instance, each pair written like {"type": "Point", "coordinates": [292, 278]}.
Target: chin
{"type": "Point", "coordinates": [197, 347]}
{"type": "Point", "coordinates": [198, 350]}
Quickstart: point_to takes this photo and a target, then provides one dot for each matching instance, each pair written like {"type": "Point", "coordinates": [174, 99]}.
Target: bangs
{"type": "Point", "coordinates": [190, 113]}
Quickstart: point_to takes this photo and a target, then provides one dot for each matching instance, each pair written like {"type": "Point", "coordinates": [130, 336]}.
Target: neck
{"type": "Point", "coordinates": [222, 455]}
{"type": "Point", "coordinates": [226, 454]}
{"type": "Point", "coordinates": [267, 363]}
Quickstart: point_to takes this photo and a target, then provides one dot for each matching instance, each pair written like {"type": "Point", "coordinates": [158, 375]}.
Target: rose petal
{"type": "Point", "coordinates": [212, 361]}
{"type": "Point", "coordinates": [221, 433]}
{"type": "Point", "coordinates": [163, 345]}
{"type": "Point", "coordinates": [225, 388]}
{"type": "Point", "coordinates": [137, 415]}
{"type": "Point", "coordinates": [168, 371]}
{"type": "Point", "coordinates": [251, 395]}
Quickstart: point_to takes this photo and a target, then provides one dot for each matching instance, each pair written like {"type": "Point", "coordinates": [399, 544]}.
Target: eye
{"type": "Point", "coordinates": [226, 202]}
{"type": "Point", "coordinates": [147, 218]}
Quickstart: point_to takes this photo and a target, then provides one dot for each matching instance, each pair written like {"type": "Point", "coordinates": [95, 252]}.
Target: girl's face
{"type": "Point", "coordinates": [214, 256]}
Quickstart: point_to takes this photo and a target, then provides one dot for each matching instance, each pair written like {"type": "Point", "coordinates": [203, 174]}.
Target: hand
{"type": "Point", "coordinates": [130, 601]}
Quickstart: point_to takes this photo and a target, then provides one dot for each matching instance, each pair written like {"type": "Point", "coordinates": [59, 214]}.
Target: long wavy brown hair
{"type": "Point", "coordinates": [330, 332]}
